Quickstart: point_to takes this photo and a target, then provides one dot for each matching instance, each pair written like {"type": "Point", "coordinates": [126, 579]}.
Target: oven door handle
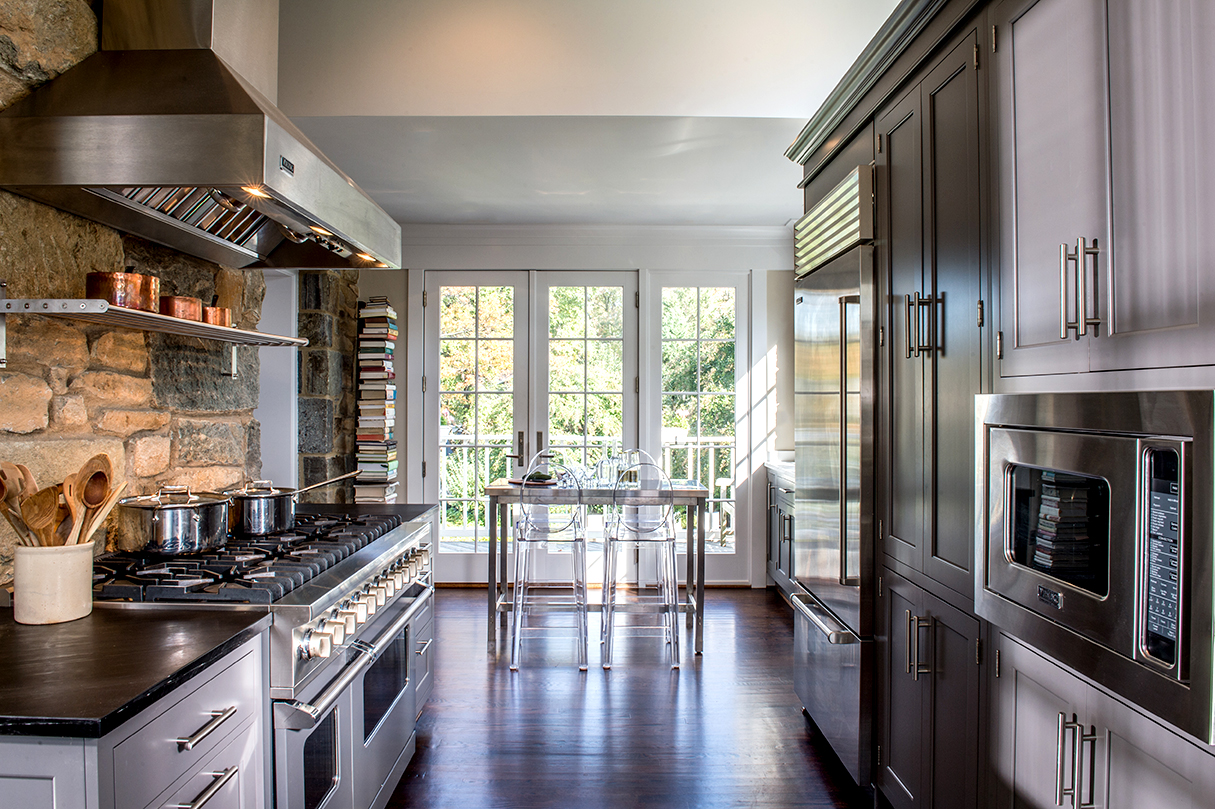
{"type": "Point", "coordinates": [294, 714]}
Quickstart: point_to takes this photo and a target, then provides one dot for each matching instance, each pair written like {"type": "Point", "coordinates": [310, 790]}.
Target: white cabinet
{"type": "Point", "coordinates": [1104, 187]}
{"type": "Point", "coordinates": [1058, 741]}
{"type": "Point", "coordinates": [206, 738]}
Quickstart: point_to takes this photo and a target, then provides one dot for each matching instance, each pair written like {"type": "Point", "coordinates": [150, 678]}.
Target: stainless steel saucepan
{"type": "Point", "coordinates": [259, 507]}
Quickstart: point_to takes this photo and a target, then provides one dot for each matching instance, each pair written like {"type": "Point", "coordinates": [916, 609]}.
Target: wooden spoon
{"type": "Point", "coordinates": [27, 478]}
{"type": "Point", "coordinates": [94, 519]}
{"type": "Point", "coordinates": [93, 485]}
{"type": "Point", "coordinates": [39, 511]}
{"type": "Point", "coordinates": [11, 509]}
{"type": "Point", "coordinates": [76, 508]}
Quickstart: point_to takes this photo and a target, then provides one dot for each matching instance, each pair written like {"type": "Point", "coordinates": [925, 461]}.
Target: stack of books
{"type": "Point", "coordinates": [1061, 542]}
{"type": "Point", "coordinates": [377, 392]}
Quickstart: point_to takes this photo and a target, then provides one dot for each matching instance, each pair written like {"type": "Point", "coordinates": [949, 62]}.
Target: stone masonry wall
{"type": "Point", "coordinates": [328, 317]}
{"type": "Point", "coordinates": [157, 404]}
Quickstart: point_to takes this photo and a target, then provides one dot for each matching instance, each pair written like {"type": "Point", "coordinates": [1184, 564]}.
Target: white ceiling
{"type": "Point", "coordinates": [630, 112]}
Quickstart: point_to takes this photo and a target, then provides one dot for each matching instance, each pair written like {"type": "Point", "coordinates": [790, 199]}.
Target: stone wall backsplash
{"type": "Point", "coordinates": [328, 317]}
{"type": "Point", "coordinates": [156, 404]}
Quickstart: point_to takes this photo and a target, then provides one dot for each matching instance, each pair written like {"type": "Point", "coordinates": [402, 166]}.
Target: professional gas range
{"type": "Point", "coordinates": [350, 591]}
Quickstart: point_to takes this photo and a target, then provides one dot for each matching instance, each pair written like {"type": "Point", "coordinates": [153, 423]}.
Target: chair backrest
{"type": "Point", "coordinates": [643, 502]}
{"type": "Point", "coordinates": [540, 518]}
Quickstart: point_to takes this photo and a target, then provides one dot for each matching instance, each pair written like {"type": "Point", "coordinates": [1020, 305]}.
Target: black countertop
{"type": "Point", "coordinates": [84, 678]}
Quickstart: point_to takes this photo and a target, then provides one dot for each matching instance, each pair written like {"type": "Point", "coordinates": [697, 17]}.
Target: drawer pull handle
{"type": "Point", "coordinates": [425, 646]}
{"type": "Point", "coordinates": [217, 719]}
{"type": "Point", "coordinates": [207, 794]}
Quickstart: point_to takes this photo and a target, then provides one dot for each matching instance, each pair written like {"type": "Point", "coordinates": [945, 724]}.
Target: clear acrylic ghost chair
{"type": "Point", "coordinates": [540, 522]}
{"type": "Point", "coordinates": [642, 514]}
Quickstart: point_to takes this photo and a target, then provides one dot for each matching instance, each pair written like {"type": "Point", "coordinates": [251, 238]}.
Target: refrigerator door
{"type": "Point", "coordinates": [833, 435]}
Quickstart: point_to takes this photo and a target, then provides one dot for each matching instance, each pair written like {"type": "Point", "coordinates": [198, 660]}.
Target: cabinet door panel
{"type": "Point", "coordinates": [955, 706]}
{"type": "Point", "coordinates": [951, 206]}
{"type": "Point", "coordinates": [1143, 765]}
{"type": "Point", "coordinates": [903, 717]}
{"type": "Point", "coordinates": [900, 163]}
{"type": "Point", "coordinates": [1052, 113]}
{"type": "Point", "coordinates": [1028, 695]}
{"type": "Point", "coordinates": [1161, 87]}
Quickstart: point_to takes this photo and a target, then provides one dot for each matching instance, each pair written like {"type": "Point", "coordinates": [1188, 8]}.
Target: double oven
{"type": "Point", "coordinates": [1096, 545]}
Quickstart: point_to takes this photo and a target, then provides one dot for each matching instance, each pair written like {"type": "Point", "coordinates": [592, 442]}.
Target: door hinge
{"type": "Point", "coordinates": [423, 299]}
{"type": "Point", "coordinates": [879, 143]}
{"type": "Point", "coordinates": [423, 384]}
{"type": "Point", "coordinates": [881, 532]}
{"type": "Point", "coordinates": [976, 56]}
{"type": "Point", "coordinates": [978, 651]}
{"type": "Point", "coordinates": [879, 756]}
{"type": "Point", "coordinates": [999, 345]}
{"type": "Point", "coordinates": [993, 39]}
{"type": "Point", "coordinates": [997, 663]}
{"type": "Point", "coordinates": [980, 314]}
{"type": "Point", "coordinates": [879, 586]}
{"type": "Point", "coordinates": [423, 468]}
{"type": "Point", "coordinates": [636, 300]}
{"type": "Point", "coordinates": [881, 335]}
{"type": "Point", "coordinates": [636, 384]}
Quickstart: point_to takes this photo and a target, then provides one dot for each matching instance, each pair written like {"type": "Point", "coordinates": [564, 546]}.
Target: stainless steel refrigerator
{"type": "Point", "coordinates": [833, 548]}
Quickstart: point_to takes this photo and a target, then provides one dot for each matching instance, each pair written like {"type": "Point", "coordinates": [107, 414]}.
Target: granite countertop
{"type": "Point", "coordinates": [781, 473]}
{"type": "Point", "coordinates": [84, 678]}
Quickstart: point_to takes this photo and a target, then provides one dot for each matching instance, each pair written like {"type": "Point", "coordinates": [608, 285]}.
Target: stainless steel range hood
{"type": "Point", "coordinates": [169, 133]}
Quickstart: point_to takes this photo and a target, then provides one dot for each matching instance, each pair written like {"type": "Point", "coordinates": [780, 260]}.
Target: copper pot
{"type": "Point", "coordinates": [181, 306]}
{"type": "Point", "coordinates": [126, 289]}
{"type": "Point", "coordinates": [217, 315]}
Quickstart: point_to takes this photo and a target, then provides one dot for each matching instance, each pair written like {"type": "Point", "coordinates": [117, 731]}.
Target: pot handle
{"type": "Point", "coordinates": [327, 482]}
{"type": "Point", "coordinates": [171, 490]}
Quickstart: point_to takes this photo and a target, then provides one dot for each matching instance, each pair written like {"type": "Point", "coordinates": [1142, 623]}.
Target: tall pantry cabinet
{"type": "Point", "coordinates": [930, 286]}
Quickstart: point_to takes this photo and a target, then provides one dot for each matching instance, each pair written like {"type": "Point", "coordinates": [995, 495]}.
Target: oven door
{"type": "Point", "coordinates": [1065, 517]}
{"type": "Point", "coordinates": [383, 700]}
{"type": "Point", "coordinates": [313, 768]}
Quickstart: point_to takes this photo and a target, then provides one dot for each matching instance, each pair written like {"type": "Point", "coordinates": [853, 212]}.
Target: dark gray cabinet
{"type": "Point", "coordinates": [780, 536]}
{"type": "Point", "coordinates": [1053, 734]}
{"type": "Point", "coordinates": [930, 277]}
{"type": "Point", "coordinates": [929, 697]}
{"type": "Point", "coordinates": [1104, 189]}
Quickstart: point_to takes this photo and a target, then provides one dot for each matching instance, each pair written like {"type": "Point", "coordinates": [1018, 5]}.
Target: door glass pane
{"type": "Point", "coordinates": [476, 406]}
{"type": "Point", "coordinates": [384, 681]}
{"type": "Point", "coordinates": [698, 398]}
{"type": "Point", "coordinates": [320, 762]}
{"type": "Point", "coordinates": [586, 369]}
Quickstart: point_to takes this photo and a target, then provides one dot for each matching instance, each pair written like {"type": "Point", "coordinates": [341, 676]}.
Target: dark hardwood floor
{"type": "Point", "coordinates": [725, 730]}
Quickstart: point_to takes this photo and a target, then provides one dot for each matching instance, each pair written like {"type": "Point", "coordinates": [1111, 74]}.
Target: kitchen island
{"type": "Point", "coordinates": [122, 708]}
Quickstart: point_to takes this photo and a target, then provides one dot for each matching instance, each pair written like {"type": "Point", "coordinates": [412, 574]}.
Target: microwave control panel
{"type": "Point", "coordinates": [1163, 551]}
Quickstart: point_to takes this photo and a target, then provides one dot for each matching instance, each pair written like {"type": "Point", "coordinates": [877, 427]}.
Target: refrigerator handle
{"type": "Point", "coordinates": [817, 615]}
{"type": "Point", "coordinates": [844, 301]}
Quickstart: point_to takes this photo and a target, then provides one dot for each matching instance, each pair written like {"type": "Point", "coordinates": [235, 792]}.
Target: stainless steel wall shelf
{"type": "Point", "coordinates": [100, 311]}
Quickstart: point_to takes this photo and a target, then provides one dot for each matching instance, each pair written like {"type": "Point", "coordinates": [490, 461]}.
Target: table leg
{"type": "Point", "coordinates": [700, 576]}
{"type": "Point", "coordinates": [493, 573]}
{"type": "Point", "coordinates": [689, 590]}
{"type": "Point", "coordinates": [504, 522]}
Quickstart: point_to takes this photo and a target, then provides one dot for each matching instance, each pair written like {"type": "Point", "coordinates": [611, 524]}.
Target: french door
{"type": "Point", "coordinates": [518, 362]}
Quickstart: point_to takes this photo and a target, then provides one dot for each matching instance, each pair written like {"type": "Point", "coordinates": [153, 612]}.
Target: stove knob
{"type": "Point", "coordinates": [336, 630]}
{"type": "Point", "coordinates": [388, 585]}
{"type": "Point", "coordinates": [359, 607]}
{"type": "Point", "coordinates": [378, 593]}
{"type": "Point", "coordinates": [369, 600]}
{"type": "Point", "coordinates": [316, 644]}
{"type": "Point", "coordinates": [349, 617]}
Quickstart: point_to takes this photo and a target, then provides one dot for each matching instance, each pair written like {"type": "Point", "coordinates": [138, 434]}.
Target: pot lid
{"type": "Point", "coordinates": [258, 488]}
{"type": "Point", "coordinates": [174, 497]}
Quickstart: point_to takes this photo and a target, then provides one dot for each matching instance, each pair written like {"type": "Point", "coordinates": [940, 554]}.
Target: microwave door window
{"type": "Point", "coordinates": [1059, 526]}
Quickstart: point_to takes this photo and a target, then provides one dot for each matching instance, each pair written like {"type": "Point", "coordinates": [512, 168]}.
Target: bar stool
{"type": "Point", "coordinates": [641, 514]}
{"type": "Point", "coordinates": [542, 521]}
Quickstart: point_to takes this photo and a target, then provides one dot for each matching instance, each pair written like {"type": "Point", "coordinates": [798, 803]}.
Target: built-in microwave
{"type": "Point", "coordinates": [1096, 540]}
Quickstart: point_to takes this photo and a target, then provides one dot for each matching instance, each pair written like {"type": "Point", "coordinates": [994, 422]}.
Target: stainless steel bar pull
{"type": "Point", "coordinates": [926, 329]}
{"type": "Point", "coordinates": [1080, 258]}
{"type": "Point", "coordinates": [1074, 787]}
{"type": "Point", "coordinates": [913, 310]}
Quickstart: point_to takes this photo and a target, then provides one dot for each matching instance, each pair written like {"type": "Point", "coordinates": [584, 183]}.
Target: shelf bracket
{"type": "Point", "coordinates": [3, 326]}
{"type": "Point", "coordinates": [231, 372]}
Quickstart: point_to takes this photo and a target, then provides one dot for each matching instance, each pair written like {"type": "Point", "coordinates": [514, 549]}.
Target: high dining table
{"type": "Point", "coordinates": [503, 494]}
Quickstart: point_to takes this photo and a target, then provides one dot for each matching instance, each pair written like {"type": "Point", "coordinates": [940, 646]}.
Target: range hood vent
{"type": "Point", "coordinates": [174, 145]}
{"type": "Point", "coordinates": [836, 223]}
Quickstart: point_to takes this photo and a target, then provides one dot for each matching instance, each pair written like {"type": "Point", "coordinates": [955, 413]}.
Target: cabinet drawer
{"type": "Point", "coordinates": [151, 758]}
{"type": "Point", "coordinates": [424, 664]}
{"type": "Point", "coordinates": [234, 776]}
